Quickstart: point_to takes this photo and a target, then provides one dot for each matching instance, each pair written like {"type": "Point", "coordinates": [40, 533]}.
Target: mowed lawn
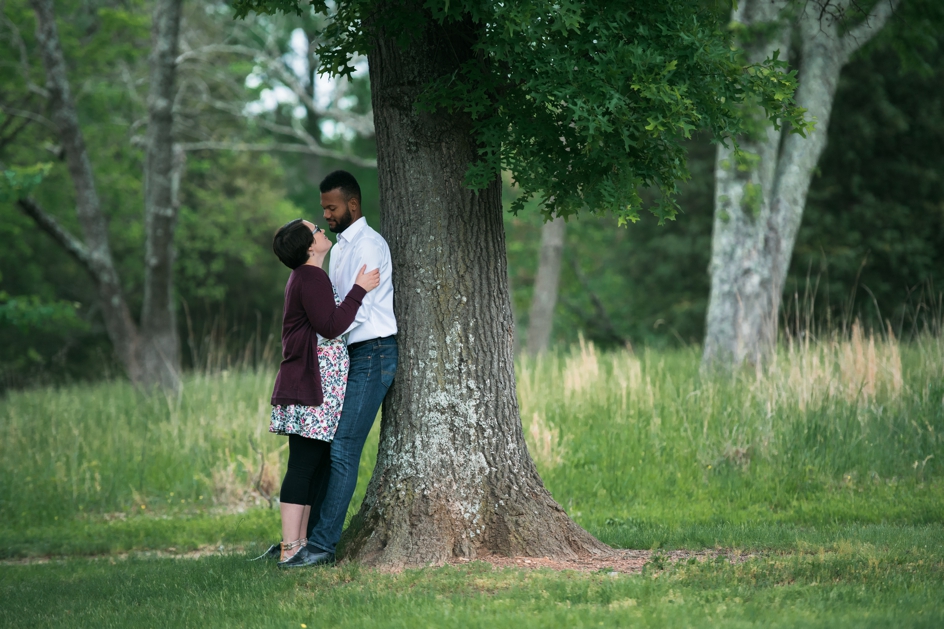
{"type": "Point", "coordinates": [817, 483]}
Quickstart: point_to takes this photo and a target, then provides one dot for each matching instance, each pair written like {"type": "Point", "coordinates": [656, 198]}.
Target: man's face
{"type": "Point", "coordinates": [337, 211]}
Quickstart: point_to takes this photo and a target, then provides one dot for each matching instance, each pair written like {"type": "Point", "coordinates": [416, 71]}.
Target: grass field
{"type": "Point", "coordinates": [826, 469]}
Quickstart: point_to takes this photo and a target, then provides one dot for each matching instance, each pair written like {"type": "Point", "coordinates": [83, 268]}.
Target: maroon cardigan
{"type": "Point", "coordinates": [309, 309]}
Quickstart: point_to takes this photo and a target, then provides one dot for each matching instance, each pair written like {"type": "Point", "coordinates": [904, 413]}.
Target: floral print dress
{"type": "Point", "coordinates": [318, 422]}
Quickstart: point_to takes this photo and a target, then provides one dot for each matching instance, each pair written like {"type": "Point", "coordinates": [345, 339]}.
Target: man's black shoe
{"type": "Point", "coordinates": [273, 552]}
{"type": "Point", "coordinates": [305, 557]}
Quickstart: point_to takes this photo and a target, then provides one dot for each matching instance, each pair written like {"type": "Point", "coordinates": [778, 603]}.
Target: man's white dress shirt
{"type": "Point", "coordinates": [356, 246]}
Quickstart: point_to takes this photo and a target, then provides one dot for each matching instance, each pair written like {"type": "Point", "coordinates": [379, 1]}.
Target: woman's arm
{"type": "Point", "coordinates": [317, 298]}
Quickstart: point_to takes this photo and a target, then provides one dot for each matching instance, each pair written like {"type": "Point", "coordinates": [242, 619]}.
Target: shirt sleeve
{"type": "Point", "coordinates": [365, 252]}
{"type": "Point", "coordinates": [328, 320]}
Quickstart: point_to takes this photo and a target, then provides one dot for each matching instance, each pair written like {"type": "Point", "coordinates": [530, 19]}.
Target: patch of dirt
{"type": "Point", "coordinates": [168, 553]}
{"type": "Point", "coordinates": [615, 563]}
{"type": "Point", "coordinates": [618, 562]}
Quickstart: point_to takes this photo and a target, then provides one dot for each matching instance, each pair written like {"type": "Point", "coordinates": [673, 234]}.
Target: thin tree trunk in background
{"type": "Point", "coordinates": [759, 200]}
{"type": "Point", "coordinates": [544, 302]}
{"type": "Point", "coordinates": [119, 325]}
{"type": "Point", "coordinates": [453, 475]}
{"type": "Point", "coordinates": [314, 164]}
{"type": "Point", "coordinates": [160, 342]}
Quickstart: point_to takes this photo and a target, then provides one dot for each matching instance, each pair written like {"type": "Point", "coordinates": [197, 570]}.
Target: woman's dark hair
{"type": "Point", "coordinates": [291, 243]}
{"type": "Point", "coordinates": [343, 181]}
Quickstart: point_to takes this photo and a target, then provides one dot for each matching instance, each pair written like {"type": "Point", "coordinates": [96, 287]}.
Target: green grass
{"type": "Point", "coordinates": [648, 439]}
{"type": "Point", "coordinates": [827, 468]}
{"type": "Point", "coordinates": [860, 587]}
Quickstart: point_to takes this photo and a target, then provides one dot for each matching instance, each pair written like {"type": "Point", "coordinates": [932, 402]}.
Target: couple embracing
{"type": "Point", "coordinates": [339, 359]}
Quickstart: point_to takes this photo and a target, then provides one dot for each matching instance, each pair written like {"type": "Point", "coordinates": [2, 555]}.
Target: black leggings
{"type": "Point", "coordinates": [303, 458]}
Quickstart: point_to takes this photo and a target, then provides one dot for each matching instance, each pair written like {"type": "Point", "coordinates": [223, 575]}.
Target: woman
{"type": "Point", "coordinates": [309, 389]}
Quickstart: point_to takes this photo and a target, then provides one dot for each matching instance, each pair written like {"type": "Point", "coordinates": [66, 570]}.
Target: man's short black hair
{"type": "Point", "coordinates": [343, 181]}
{"type": "Point", "coordinates": [291, 243]}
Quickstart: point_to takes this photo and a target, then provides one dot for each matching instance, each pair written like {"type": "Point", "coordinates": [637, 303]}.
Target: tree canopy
{"type": "Point", "coordinates": [871, 246]}
{"type": "Point", "coordinates": [584, 103]}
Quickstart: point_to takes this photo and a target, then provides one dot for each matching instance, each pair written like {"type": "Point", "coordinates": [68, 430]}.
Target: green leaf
{"type": "Point", "coordinates": [18, 183]}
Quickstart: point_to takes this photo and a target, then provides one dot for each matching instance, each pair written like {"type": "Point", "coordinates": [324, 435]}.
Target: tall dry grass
{"type": "Point", "coordinates": [858, 408]}
{"type": "Point", "coordinates": [857, 367]}
{"type": "Point", "coordinates": [109, 448]}
{"type": "Point", "coordinates": [611, 432]}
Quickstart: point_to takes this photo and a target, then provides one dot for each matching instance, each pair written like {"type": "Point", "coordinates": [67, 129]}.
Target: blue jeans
{"type": "Point", "coordinates": [373, 366]}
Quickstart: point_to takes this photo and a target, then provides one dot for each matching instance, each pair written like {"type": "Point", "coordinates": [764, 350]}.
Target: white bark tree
{"type": "Point", "coordinates": [544, 302]}
{"type": "Point", "coordinates": [760, 194]}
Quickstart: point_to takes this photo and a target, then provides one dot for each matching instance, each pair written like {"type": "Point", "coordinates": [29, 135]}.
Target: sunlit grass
{"type": "Point", "coordinates": [854, 586]}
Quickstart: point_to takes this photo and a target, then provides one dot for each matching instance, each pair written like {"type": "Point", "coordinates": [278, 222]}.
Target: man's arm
{"type": "Point", "coordinates": [366, 252]}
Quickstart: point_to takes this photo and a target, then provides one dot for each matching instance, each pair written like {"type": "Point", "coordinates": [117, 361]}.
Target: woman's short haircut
{"type": "Point", "coordinates": [291, 243]}
{"type": "Point", "coordinates": [343, 181]}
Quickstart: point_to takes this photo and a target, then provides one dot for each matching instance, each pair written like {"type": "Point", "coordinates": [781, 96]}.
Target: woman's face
{"type": "Point", "coordinates": [322, 243]}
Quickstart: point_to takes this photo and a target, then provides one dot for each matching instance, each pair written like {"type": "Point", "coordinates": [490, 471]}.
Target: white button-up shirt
{"type": "Point", "coordinates": [356, 246]}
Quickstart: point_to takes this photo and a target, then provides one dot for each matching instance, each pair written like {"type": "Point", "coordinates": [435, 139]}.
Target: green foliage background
{"type": "Point", "coordinates": [231, 203]}
{"type": "Point", "coordinates": [871, 245]}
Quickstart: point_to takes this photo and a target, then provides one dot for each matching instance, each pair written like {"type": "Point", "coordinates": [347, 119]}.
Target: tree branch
{"type": "Point", "coordinates": [130, 85]}
{"type": "Point", "coordinates": [51, 226]}
{"type": "Point", "coordinates": [870, 26]}
{"type": "Point", "coordinates": [9, 137]}
{"type": "Point", "coordinates": [362, 124]}
{"type": "Point", "coordinates": [310, 145]}
{"type": "Point", "coordinates": [212, 49]}
{"type": "Point", "coordinates": [22, 113]}
{"type": "Point", "coordinates": [285, 147]}
{"type": "Point", "coordinates": [24, 56]}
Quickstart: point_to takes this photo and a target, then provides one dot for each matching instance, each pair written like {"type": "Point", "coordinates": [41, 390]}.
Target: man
{"type": "Point", "coordinates": [372, 347]}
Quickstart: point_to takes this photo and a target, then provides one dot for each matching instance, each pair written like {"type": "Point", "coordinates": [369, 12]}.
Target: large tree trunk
{"type": "Point", "coordinates": [160, 351]}
{"type": "Point", "coordinates": [544, 301]}
{"type": "Point", "coordinates": [119, 325]}
{"type": "Point", "coordinates": [759, 201]}
{"type": "Point", "coordinates": [453, 475]}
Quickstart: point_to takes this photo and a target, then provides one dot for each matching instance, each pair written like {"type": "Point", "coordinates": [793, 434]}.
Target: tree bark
{"type": "Point", "coordinates": [46, 222]}
{"type": "Point", "coordinates": [119, 325]}
{"type": "Point", "coordinates": [453, 475]}
{"type": "Point", "coordinates": [151, 354]}
{"type": "Point", "coordinates": [544, 302]}
{"type": "Point", "coordinates": [759, 201]}
{"type": "Point", "coordinates": [160, 349]}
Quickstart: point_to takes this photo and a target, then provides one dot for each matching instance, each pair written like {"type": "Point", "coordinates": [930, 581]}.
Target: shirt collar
{"type": "Point", "coordinates": [353, 230]}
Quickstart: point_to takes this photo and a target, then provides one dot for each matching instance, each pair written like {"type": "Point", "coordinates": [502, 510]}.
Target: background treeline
{"type": "Point", "coordinates": [871, 244]}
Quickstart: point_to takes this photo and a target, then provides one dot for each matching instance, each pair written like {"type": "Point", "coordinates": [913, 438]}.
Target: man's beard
{"type": "Point", "coordinates": [344, 222]}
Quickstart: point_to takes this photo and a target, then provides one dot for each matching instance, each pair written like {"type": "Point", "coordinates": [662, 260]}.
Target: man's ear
{"type": "Point", "coordinates": [355, 204]}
